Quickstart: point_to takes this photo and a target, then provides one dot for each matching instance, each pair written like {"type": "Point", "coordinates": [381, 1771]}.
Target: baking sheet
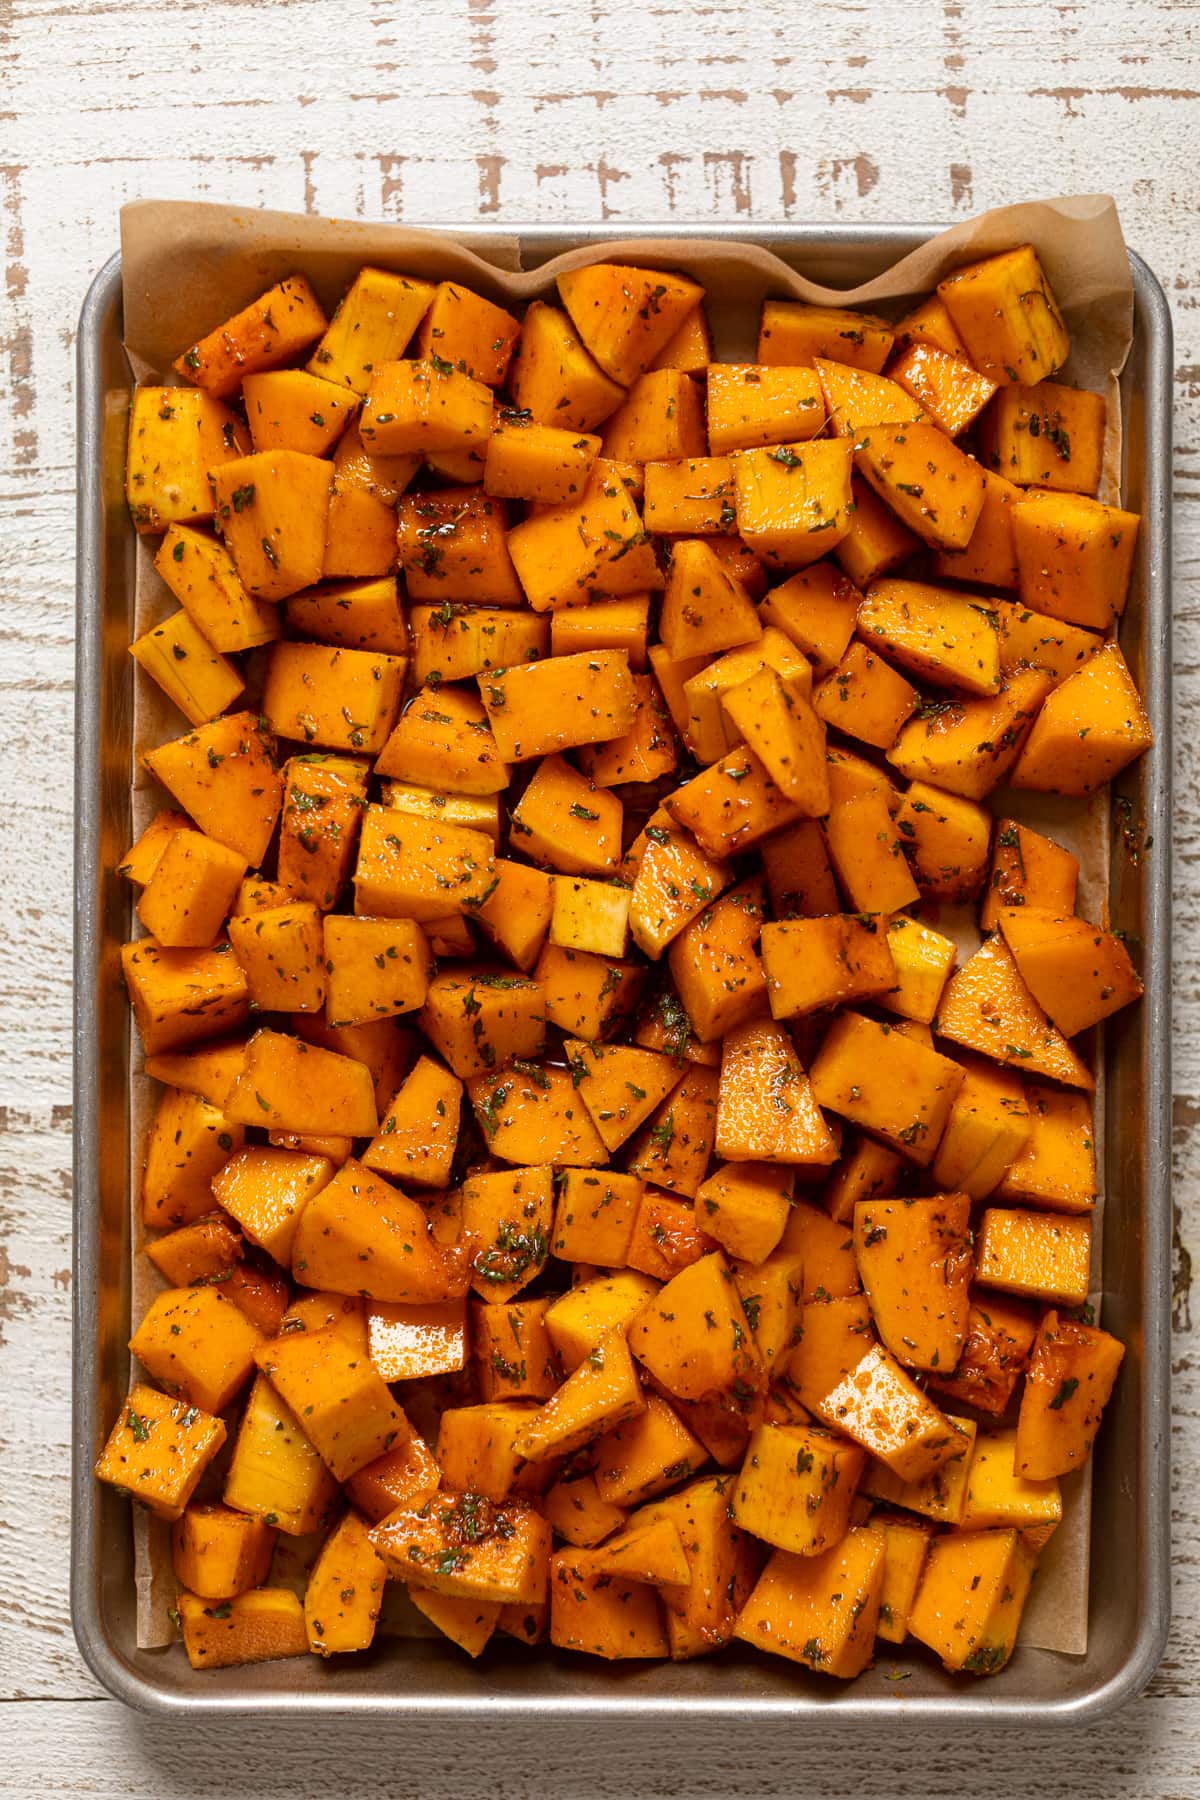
{"type": "Point", "coordinates": [187, 266]}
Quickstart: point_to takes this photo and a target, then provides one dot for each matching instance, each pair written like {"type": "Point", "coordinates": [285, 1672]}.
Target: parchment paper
{"type": "Point", "coordinates": [186, 266]}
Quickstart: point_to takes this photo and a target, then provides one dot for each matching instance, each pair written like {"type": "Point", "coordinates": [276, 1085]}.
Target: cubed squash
{"type": "Point", "coordinates": [223, 775]}
{"type": "Point", "coordinates": [191, 889]}
{"type": "Point", "coordinates": [374, 321]}
{"type": "Point", "coordinates": [554, 378]}
{"type": "Point", "coordinates": [463, 1545]}
{"type": "Point", "coordinates": [914, 1257]}
{"type": "Point", "coordinates": [766, 1108]}
{"type": "Point", "coordinates": [180, 996]}
{"type": "Point", "coordinates": [414, 868]}
{"type": "Point", "coordinates": [693, 1335]}
{"type": "Point", "coordinates": [513, 1354]}
{"type": "Point", "coordinates": [418, 1134]}
{"type": "Point", "coordinates": [532, 1114]}
{"type": "Point", "coordinates": [932, 485]}
{"type": "Point", "coordinates": [968, 747]}
{"type": "Point", "coordinates": [1089, 728]}
{"type": "Point", "coordinates": [271, 509]}
{"type": "Point", "coordinates": [346, 1412]}
{"type": "Point", "coordinates": [791, 331]}
{"type": "Point", "coordinates": [1041, 1255]}
{"type": "Point", "coordinates": [453, 545]}
{"type": "Point", "coordinates": [1004, 310]}
{"type": "Point", "coordinates": [751, 404]}
{"type": "Point", "coordinates": [822, 962]}
{"type": "Point", "coordinates": [988, 1127]}
{"type": "Point", "coordinates": [819, 1610]}
{"type": "Point", "coordinates": [968, 1607]}
{"type": "Point", "coordinates": [266, 1189]}
{"type": "Point", "coordinates": [289, 1085]}
{"type": "Point", "coordinates": [1046, 436]}
{"type": "Point", "coordinates": [988, 1008]}
{"type": "Point", "coordinates": [324, 797]}
{"type": "Point", "coordinates": [817, 609]}
{"type": "Point", "coordinates": [217, 1553]}
{"type": "Point", "coordinates": [644, 1457]}
{"type": "Point", "coordinates": [187, 1146]}
{"type": "Point", "coordinates": [540, 708]}
{"type": "Point", "coordinates": [884, 1410]}
{"type": "Point", "coordinates": [564, 821]}
{"type": "Point", "coordinates": [195, 677]}
{"type": "Point", "coordinates": [360, 1235]}
{"type": "Point", "coordinates": [602, 1614]}
{"type": "Point", "coordinates": [197, 1344]}
{"type": "Point", "coordinates": [795, 1487]}
{"type": "Point", "coordinates": [866, 698]}
{"type": "Point", "coordinates": [289, 409]}
{"type": "Point", "coordinates": [935, 634]}
{"type": "Point", "coordinates": [624, 315]}
{"type": "Point", "coordinates": [793, 500]}
{"type": "Point", "coordinates": [1071, 1375]}
{"type": "Point", "coordinates": [158, 1450]}
{"type": "Point", "coordinates": [886, 1084]}
{"type": "Point", "coordinates": [176, 438]}
{"type": "Point", "coordinates": [260, 1626]}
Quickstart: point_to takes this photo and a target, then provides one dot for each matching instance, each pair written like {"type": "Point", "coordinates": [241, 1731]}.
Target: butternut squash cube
{"type": "Point", "coordinates": [345, 1591]}
{"type": "Point", "coordinates": [1079, 973]}
{"type": "Point", "coordinates": [624, 315]}
{"type": "Point", "coordinates": [867, 853]}
{"type": "Point", "coordinates": [607, 624]}
{"type": "Point", "coordinates": [675, 882]}
{"type": "Point", "coordinates": [527, 461]}
{"type": "Point", "coordinates": [826, 1249]}
{"type": "Point", "coordinates": [600, 1613]}
{"type": "Point", "coordinates": [513, 1353]}
{"type": "Point", "coordinates": [866, 1169]}
{"type": "Point", "coordinates": [744, 1206]}
{"type": "Point", "coordinates": [593, 1217]}
{"type": "Point", "coordinates": [1039, 1254]}
{"type": "Point", "coordinates": [822, 962]}
{"type": "Point", "coordinates": [973, 1590]}
{"type": "Point", "coordinates": [882, 1409]}
{"type": "Point", "coordinates": [767, 1110]}
{"type": "Point", "coordinates": [1000, 1334]}
{"type": "Point", "coordinates": [667, 1237]}
{"type": "Point", "coordinates": [717, 975]}
{"type": "Point", "coordinates": [554, 378]}
{"type": "Point", "coordinates": [217, 1553]}
{"type": "Point", "coordinates": [359, 1235]}
{"type": "Point", "coordinates": [1074, 557]}
{"type": "Point", "coordinates": [793, 332]}
{"type": "Point", "coordinates": [914, 1257]}
{"type": "Point", "coordinates": [345, 1410]}
{"type": "Point", "coordinates": [467, 1547]}
{"type": "Point", "coordinates": [469, 331]}
{"type": "Point", "coordinates": [1071, 1375]}
{"type": "Point", "coordinates": [693, 1335]}
{"type": "Point", "coordinates": [289, 409]}
{"type": "Point", "coordinates": [643, 1458]}
{"type": "Point", "coordinates": [1090, 727]}
{"type": "Point", "coordinates": [158, 1449]}
{"type": "Point", "coordinates": [275, 1474]}
{"type": "Point", "coordinates": [143, 857]}
{"type": "Point", "coordinates": [583, 550]}
{"type": "Point", "coordinates": [997, 1496]}
{"type": "Point", "coordinates": [816, 608]}
{"type": "Point", "coordinates": [271, 510]}
{"type": "Point", "coordinates": [796, 1487]}
{"type": "Point", "coordinates": [1045, 436]}
{"type": "Point", "coordinates": [532, 1114]}
{"type": "Point", "coordinates": [800, 881]}
{"type": "Point", "coordinates": [934, 488]}
{"type": "Point", "coordinates": [260, 1626]}
{"type": "Point", "coordinates": [482, 1018]}
{"type": "Point", "coordinates": [705, 608]}
{"type": "Point", "coordinates": [276, 328]}
{"type": "Point", "coordinates": [819, 1610]}
{"type": "Point", "coordinates": [951, 393]}
{"type": "Point", "coordinates": [987, 1007]}
{"type": "Point", "coordinates": [597, 1396]}
{"type": "Point", "coordinates": [1005, 311]}
{"type": "Point", "coordinates": [879, 1080]}
{"type": "Point", "coordinates": [661, 419]}
{"type": "Point", "coordinates": [419, 1132]}
{"type": "Point", "coordinates": [690, 349]}
{"type": "Point", "coordinates": [835, 1334]}
{"type": "Point", "coordinates": [946, 839]}
{"type": "Point", "coordinates": [340, 699]}
{"type": "Point", "coordinates": [187, 1146]}
{"type": "Point", "coordinates": [689, 496]}
{"type": "Point", "coordinates": [866, 698]}
{"type": "Point", "coordinates": [266, 1189]}
{"type": "Point", "coordinates": [563, 820]}
{"type": "Point", "coordinates": [930, 631]}
{"type": "Point", "coordinates": [749, 404]}
{"type": "Point", "coordinates": [453, 642]}
{"type": "Point", "coordinates": [475, 1450]}
{"type": "Point", "coordinates": [968, 747]}
{"type": "Point", "coordinates": [575, 1510]}
{"type": "Point", "coordinates": [648, 1551]}
{"type": "Point", "coordinates": [405, 1475]}
{"type": "Point", "coordinates": [194, 677]}
{"type": "Point", "coordinates": [426, 406]}
{"type": "Point", "coordinates": [620, 1085]}
{"type": "Point", "coordinates": [786, 735]}
{"type": "Point", "coordinates": [930, 323]}
{"type": "Point", "coordinates": [1034, 640]}
{"type": "Point", "coordinates": [223, 775]}
{"type": "Point", "coordinates": [730, 806]}
{"type": "Point", "coordinates": [541, 708]}
{"type": "Point", "coordinates": [281, 953]}
{"type": "Point", "coordinates": [198, 1344]}
{"type": "Point", "coordinates": [288, 1085]}
{"type": "Point", "coordinates": [507, 1218]}
{"type": "Point", "coordinates": [793, 501]}
{"type": "Point", "coordinates": [410, 868]}
{"type": "Point", "coordinates": [577, 1320]}
{"type": "Point", "coordinates": [179, 996]}
{"type": "Point", "coordinates": [587, 995]}
{"type": "Point", "coordinates": [1056, 1165]}
{"type": "Point", "coordinates": [722, 1565]}
{"type": "Point", "coordinates": [708, 728]}
{"type": "Point", "coordinates": [989, 1126]}
{"type": "Point", "coordinates": [907, 1543]}
{"type": "Point", "coordinates": [877, 540]}
{"type": "Point", "coordinates": [452, 542]}
{"type": "Point", "coordinates": [373, 324]}
{"type": "Point", "coordinates": [190, 891]}
{"type": "Point", "coordinates": [376, 968]}
{"type": "Point", "coordinates": [923, 959]}
{"type": "Point", "coordinates": [204, 1250]}
{"type": "Point", "coordinates": [176, 438]}
{"type": "Point", "coordinates": [857, 399]}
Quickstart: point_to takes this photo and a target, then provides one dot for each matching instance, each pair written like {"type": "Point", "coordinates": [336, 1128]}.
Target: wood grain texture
{"type": "Point", "coordinates": [554, 110]}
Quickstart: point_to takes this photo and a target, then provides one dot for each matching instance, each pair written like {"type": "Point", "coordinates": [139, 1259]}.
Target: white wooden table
{"type": "Point", "coordinates": [437, 110]}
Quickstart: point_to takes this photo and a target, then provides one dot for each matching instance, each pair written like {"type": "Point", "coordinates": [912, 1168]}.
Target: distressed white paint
{"type": "Point", "coordinates": [437, 110]}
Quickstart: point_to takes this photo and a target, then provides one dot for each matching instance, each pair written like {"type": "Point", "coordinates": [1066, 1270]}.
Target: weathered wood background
{"type": "Point", "coordinates": [442, 110]}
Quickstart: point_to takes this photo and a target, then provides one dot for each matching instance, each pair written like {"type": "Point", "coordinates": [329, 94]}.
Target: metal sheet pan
{"type": "Point", "coordinates": [405, 1678]}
